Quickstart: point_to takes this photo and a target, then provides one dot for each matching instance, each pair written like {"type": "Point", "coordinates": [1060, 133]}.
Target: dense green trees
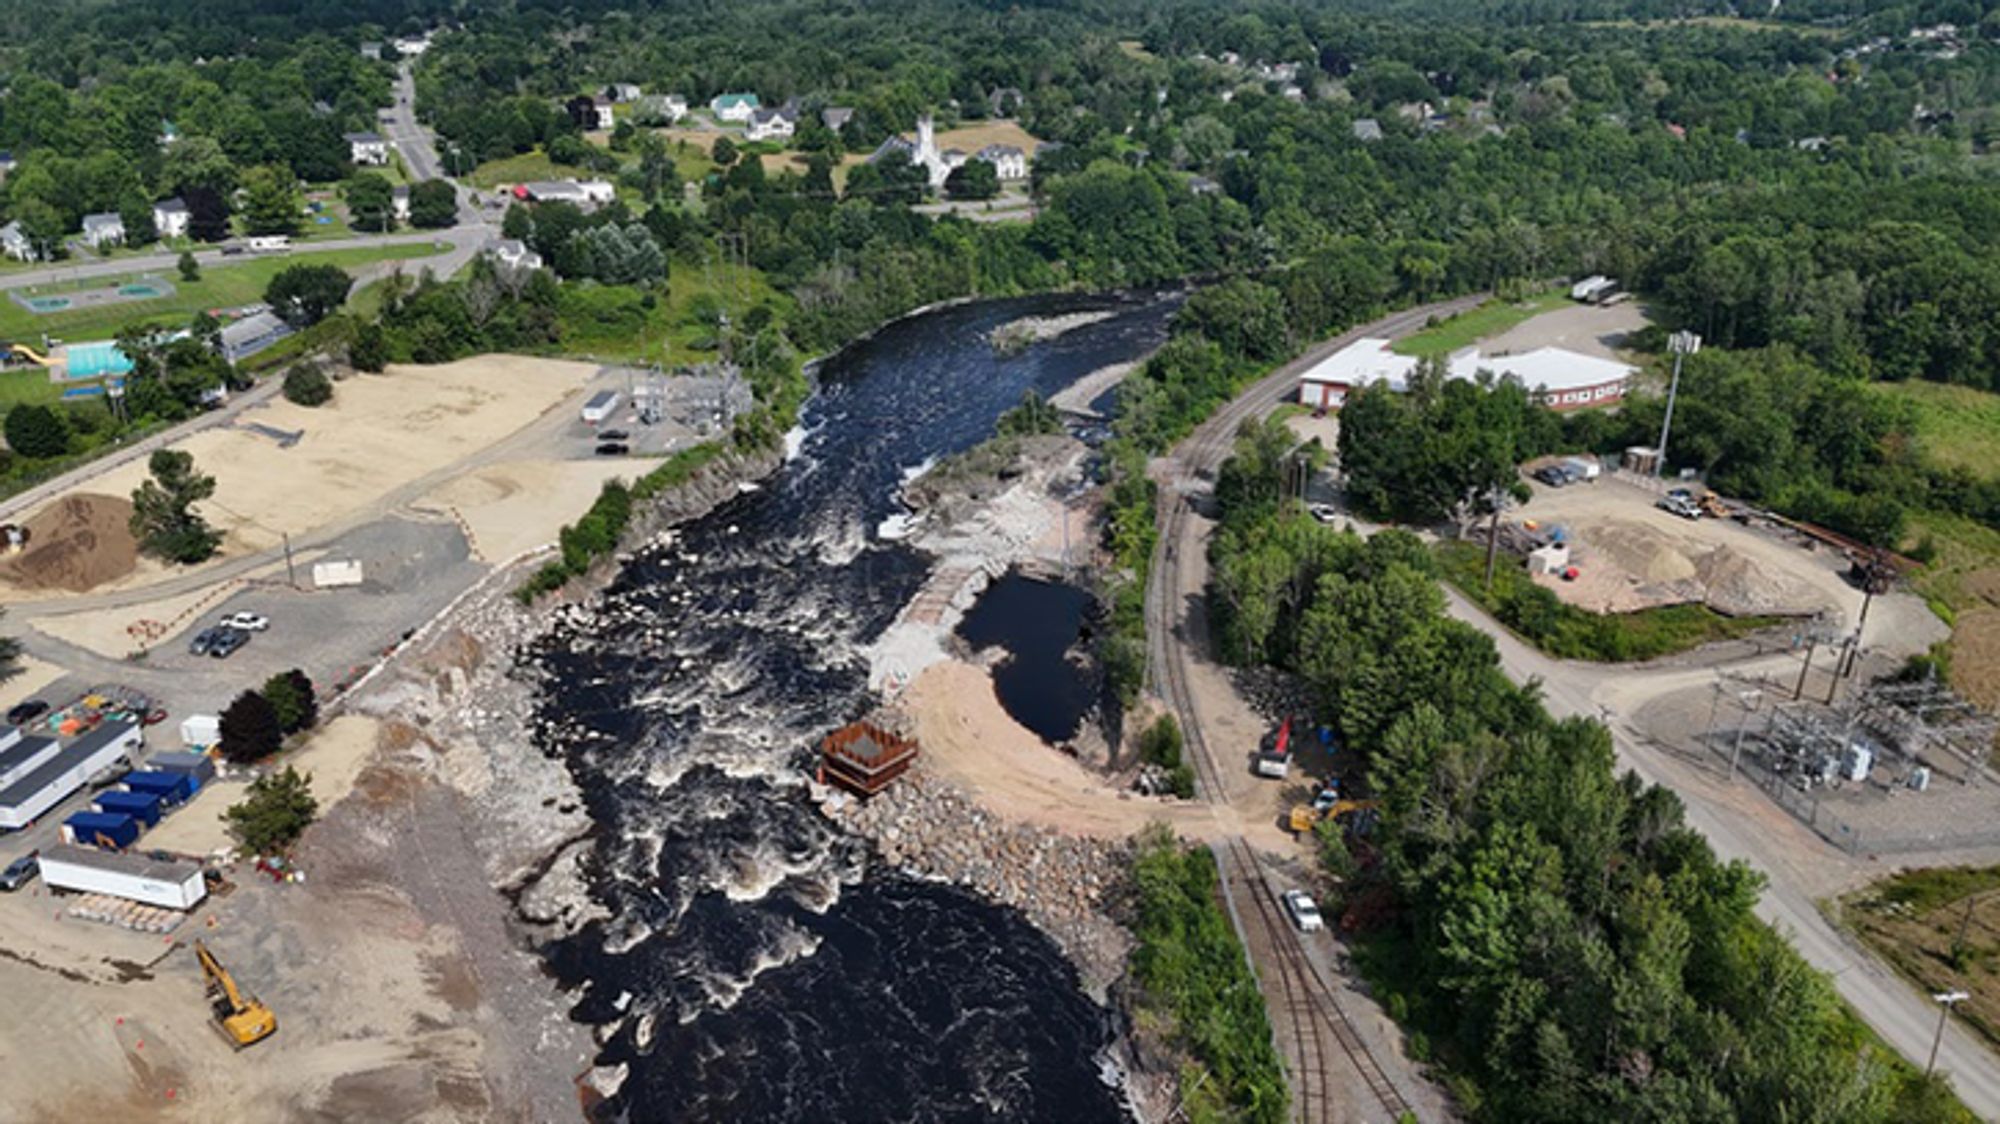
{"type": "Point", "coordinates": [433, 205]}
{"type": "Point", "coordinates": [303, 295]}
{"type": "Point", "coordinates": [371, 203]}
{"type": "Point", "coordinates": [163, 516]}
{"type": "Point", "coordinates": [251, 729]}
{"type": "Point", "coordinates": [35, 430]}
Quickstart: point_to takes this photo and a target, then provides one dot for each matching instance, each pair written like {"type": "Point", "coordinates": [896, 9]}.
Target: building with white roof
{"type": "Point", "coordinates": [1565, 380]}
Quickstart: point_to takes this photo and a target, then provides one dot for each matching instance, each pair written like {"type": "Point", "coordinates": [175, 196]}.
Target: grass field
{"type": "Point", "coordinates": [611, 322]}
{"type": "Point", "coordinates": [221, 286]}
{"type": "Point", "coordinates": [1957, 426]}
{"type": "Point", "coordinates": [1914, 921]}
{"type": "Point", "coordinates": [25, 387]}
{"type": "Point", "coordinates": [1468, 328]}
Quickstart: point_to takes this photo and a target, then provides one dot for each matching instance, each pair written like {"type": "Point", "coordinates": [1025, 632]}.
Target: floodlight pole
{"type": "Point", "coordinates": [1682, 344]}
{"type": "Point", "coordinates": [1946, 1000]}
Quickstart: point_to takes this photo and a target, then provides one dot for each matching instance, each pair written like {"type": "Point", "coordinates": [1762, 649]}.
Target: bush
{"type": "Point", "coordinates": [292, 697]}
{"type": "Point", "coordinates": [37, 431]}
{"type": "Point", "coordinates": [370, 349]}
{"type": "Point", "coordinates": [303, 295]}
{"type": "Point", "coordinates": [307, 385]}
{"type": "Point", "coordinates": [251, 729]}
{"type": "Point", "coordinates": [274, 813]}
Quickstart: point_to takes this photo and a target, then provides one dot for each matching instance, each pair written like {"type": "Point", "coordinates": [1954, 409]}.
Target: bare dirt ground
{"type": "Point", "coordinates": [1633, 555]}
{"type": "Point", "coordinates": [379, 433]}
{"type": "Point", "coordinates": [970, 740]}
{"type": "Point", "coordinates": [75, 544]}
{"type": "Point", "coordinates": [34, 675]}
{"type": "Point", "coordinates": [1600, 330]}
{"type": "Point", "coordinates": [519, 505]}
{"type": "Point", "coordinates": [118, 631]}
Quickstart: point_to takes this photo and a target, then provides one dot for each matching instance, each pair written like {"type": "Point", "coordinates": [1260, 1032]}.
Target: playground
{"type": "Point", "coordinates": [46, 300]}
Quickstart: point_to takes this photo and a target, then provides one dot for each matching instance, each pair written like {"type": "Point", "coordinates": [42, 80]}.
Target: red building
{"type": "Point", "coordinates": [864, 759]}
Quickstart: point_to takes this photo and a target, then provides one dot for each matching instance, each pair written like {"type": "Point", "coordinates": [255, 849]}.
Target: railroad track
{"type": "Point", "coordinates": [1319, 1023]}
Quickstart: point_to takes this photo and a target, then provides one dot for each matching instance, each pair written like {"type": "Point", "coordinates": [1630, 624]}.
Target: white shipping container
{"type": "Point", "coordinates": [171, 885]}
{"type": "Point", "coordinates": [69, 770]}
{"type": "Point", "coordinates": [332, 575]}
{"type": "Point", "coordinates": [200, 731]}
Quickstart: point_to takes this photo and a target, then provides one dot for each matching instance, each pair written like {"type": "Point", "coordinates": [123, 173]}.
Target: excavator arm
{"type": "Point", "coordinates": [218, 976]}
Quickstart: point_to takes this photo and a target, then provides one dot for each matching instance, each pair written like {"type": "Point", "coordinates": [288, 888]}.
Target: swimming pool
{"type": "Point", "coordinates": [90, 360]}
{"type": "Point", "coordinates": [47, 304]}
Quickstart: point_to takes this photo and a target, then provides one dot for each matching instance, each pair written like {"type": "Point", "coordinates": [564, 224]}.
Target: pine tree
{"type": "Point", "coordinates": [251, 729]}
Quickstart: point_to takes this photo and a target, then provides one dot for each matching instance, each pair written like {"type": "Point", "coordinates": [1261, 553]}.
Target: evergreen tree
{"type": "Point", "coordinates": [251, 729]}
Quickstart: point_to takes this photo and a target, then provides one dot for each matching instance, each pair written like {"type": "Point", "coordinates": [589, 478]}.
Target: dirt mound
{"type": "Point", "coordinates": [77, 543]}
{"type": "Point", "coordinates": [1739, 587]}
{"type": "Point", "coordinates": [1975, 657]}
{"type": "Point", "coordinates": [1644, 552]}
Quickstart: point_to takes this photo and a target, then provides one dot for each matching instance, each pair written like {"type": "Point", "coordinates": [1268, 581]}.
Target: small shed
{"type": "Point", "coordinates": [107, 830]}
{"type": "Point", "coordinates": [864, 758]}
{"type": "Point", "coordinates": [142, 806]}
{"type": "Point", "coordinates": [173, 788]}
{"type": "Point", "coordinates": [200, 766]}
{"type": "Point", "coordinates": [199, 731]}
{"type": "Point", "coordinates": [333, 575]}
{"type": "Point", "coordinates": [1642, 459]}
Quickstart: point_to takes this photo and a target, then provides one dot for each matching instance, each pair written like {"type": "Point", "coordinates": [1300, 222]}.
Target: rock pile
{"type": "Point", "coordinates": [1064, 884]}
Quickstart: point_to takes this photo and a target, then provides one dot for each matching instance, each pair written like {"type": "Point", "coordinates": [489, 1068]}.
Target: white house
{"type": "Point", "coordinates": [514, 254]}
{"type": "Point", "coordinates": [734, 107]}
{"type": "Point", "coordinates": [583, 193]}
{"type": "Point", "coordinates": [770, 124]}
{"type": "Point", "coordinates": [399, 202]}
{"type": "Point", "coordinates": [601, 106]}
{"type": "Point", "coordinates": [1007, 159]}
{"type": "Point", "coordinates": [622, 92]}
{"type": "Point", "coordinates": [15, 244]}
{"type": "Point", "coordinates": [1566, 380]}
{"type": "Point", "coordinates": [170, 217]}
{"type": "Point", "coordinates": [103, 229]}
{"type": "Point", "coordinates": [835, 117]}
{"type": "Point", "coordinates": [662, 108]}
{"type": "Point", "coordinates": [371, 50]}
{"type": "Point", "coordinates": [367, 148]}
{"type": "Point", "coordinates": [412, 47]}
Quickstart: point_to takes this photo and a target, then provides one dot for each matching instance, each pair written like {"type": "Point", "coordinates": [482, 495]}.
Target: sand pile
{"type": "Point", "coordinates": [77, 543]}
{"type": "Point", "coordinates": [1644, 552]}
{"type": "Point", "coordinates": [1738, 586]}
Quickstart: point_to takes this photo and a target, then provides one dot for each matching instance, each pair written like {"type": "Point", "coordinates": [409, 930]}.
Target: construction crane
{"type": "Point", "coordinates": [241, 1018]}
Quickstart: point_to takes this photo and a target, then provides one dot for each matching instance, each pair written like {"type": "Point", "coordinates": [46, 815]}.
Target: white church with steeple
{"type": "Point", "coordinates": [924, 153]}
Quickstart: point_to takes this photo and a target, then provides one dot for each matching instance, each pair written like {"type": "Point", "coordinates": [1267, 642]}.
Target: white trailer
{"type": "Point", "coordinates": [333, 575]}
{"type": "Point", "coordinates": [74, 766]}
{"type": "Point", "coordinates": [22, 754]}
{"type": "Point", "coordinates": [200, 731]}
{"type": "Point", "coordinates": [168, 884]}
{"type": "Point", "coordinates": [601, 406]}
{"type": "Point", "coordinates": [270, 243]}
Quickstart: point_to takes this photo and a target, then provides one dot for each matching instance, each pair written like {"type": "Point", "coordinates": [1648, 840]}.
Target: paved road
{"type": "Point", "coordinates": [1906, 1018]}
{"type": "Point", "coordinates": [165, 262]}
{"type": "Point", "coordinates": [419, 148]}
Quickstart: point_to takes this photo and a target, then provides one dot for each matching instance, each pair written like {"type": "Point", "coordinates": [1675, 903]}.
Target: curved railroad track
{"type": "Point", "coordinates": [1320, 1026]}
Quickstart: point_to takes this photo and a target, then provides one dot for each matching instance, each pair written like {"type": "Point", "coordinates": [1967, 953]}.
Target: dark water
{"type": "Point", "coordinates": [1037, 622]}
{"type": "Point", "coordinates": [757, 964]}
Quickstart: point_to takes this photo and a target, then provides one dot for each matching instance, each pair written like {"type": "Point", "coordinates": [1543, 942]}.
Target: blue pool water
{"type": "Point", "coordinates": [90, 360]}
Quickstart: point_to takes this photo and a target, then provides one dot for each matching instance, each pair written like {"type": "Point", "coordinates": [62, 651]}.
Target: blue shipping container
{"type": "Point", "coordinates": [141, 806]}
{"type": "Point", "coordinates": [93, 829]}
{"type": "Point", "coordinates": [173, 787]}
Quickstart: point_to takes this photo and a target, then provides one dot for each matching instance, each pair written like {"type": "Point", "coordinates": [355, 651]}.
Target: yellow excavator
{"type": "Point", "coordinates": [241, 1019]}
{"type": "Point", "coordinates": [1304, 816]}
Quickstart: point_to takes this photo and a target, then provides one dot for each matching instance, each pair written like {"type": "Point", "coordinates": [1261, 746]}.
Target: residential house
{"type": "Point", "coordinates": [15, 244]}
{"type": "Point", "coordinates": [836, 117]}
{"type": "Point", "coordinates": [103, 230]}
{"type": "Point", "coordinates": [410, 48]}
{"type": "Point", "coordinates": [371, 51]}
{"type": "Point", "coordinates": [1005, 101]}
{"type": "Point", "coordinates": [734, 107]}
{"type": "Point", "coordinates": [601, 115]}
{"type": "Point", "coordinates": [660, 109]}
{"type": "Point", "coordinates": [1367, 129]}
{"type": "Point", "coordinates": [1202, 185]}
{"type": "Point", "coordinates": [399, 202]}
{"type": "Point", "coordinates": [367, 148]}
{"type": "Point", "coordinates": [170, 217]}
{"type": "Point", "coordinates": [1565, 380]}
{"type": "Point", "coordinates": [1009, 161]}
{"type": "Point", "coordinates": [770, 124]}
{"type": "Point", "coordinates": [622, 92]}
{"type": "Point", "coordinates": [514, 254]}
{"type": "Point", "coordinates": [584, 193]}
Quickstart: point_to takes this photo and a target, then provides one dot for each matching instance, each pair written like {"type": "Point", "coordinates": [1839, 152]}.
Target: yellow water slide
{"type": "Point", "coordinates": [31, 355]}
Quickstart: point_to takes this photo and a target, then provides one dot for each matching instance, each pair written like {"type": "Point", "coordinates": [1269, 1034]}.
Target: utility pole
{"type": "Point", "coordinates": [1682, 344]}
{"type": "Point", "coordinates": [1946, 1000]}
{"type": "Point", "coordinates": [1812, 641]}
{"type": "Point", "coordinates": [291, 575]}
{"type": "Point", "coordinates": [1750, 700]}
{"type": "Point", "coordinates": [1493, 539]}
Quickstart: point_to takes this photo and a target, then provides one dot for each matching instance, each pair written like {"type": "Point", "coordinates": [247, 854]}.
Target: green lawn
{"type": "Point", "coordinates": [611, 322]}
{"type": "Point", "coordinates": [220, 286]}
{"type": "Point", "coordinates": [1489, 319]}
{"type": "Point", "coordinates": [524, 168]}
{"type": "Point", "coordinates": [26, 387]}
{"type": "Point", "coordinates": [1957, 426]}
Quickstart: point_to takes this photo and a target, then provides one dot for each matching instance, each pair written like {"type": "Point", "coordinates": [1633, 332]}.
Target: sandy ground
{"type": "Point", "coordinates": [1598, 330]}
{"type": "Point", "coordinates": [379, 433]}
{"type": "Point", "coordinates": [1077, 396]}
{"type": "Point", "coordinates": [516, 506]}
{"type": "Point", "coordinates": [1633, 555]}
{"type": "Point", "coordinates": [1325, 430]}
{"type": "Point", "coordinates": [969, 739]}
{"type": "Point", "coordinates": [118, 631]}
{"type": "Point", "coordinates": [34, 675]}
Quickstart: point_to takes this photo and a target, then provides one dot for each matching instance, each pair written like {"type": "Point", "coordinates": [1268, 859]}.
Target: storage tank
{"type": "Point", "coordinates": [146, 807]}
{"type": "Point", "coordinates": [97, 829]}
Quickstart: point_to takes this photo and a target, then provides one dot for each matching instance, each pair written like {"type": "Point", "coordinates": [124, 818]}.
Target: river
{"type": "Point", "coordinates": [756, 963]}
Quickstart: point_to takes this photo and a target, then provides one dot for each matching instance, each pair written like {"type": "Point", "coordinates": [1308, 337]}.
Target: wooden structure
{"type": "Point", "coordinates": [863, 758]}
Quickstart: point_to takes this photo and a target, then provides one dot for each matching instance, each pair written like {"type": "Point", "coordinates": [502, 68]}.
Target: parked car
{"type": "Point", "coordinates": [1679, 505]}
{"type": "Point", "coordinates": [1304, 911]}
{"type": "Point", "coordinates": [25, 712]}
{"type": "Point", "coordinates": [1324, 512]}
{"type": "Point", "coordinates": [612, 449]}
{"type": "Point", "coordinates": [1554, 475]}
{"type": "Point", "coordinates": [204, 641]}
{"type": "Point", "coordinates": [246, 622]}
{"type": "Point", "coordinates": [226, 642]}
{"type": "Point", "coordinates": [20, 872]}
{"type": "Point", "coordinates": [613, 435]}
